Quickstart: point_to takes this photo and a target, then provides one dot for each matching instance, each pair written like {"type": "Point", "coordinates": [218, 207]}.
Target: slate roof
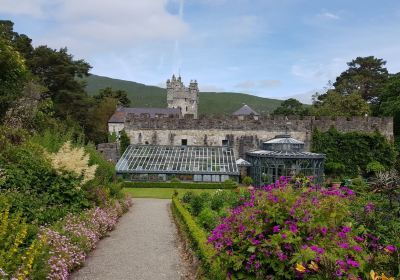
{"type": "Point", "coordinates": [245, 111]}
{"type": "Point", "coordinates": [120, 114]}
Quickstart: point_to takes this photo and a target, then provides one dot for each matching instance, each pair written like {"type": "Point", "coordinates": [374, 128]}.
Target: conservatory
{"type": "Point", "coordinates": [187, 163]}
{"type": "Point", "coordinates": [283, 156]}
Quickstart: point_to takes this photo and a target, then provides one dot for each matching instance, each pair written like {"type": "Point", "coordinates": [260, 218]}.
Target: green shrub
{"type": "Point", "coordinates": [229, 184]}
{"type": "Point", "coordinates": [171, 185]}
{"type": "Point", "coordinates": [247, 181]}
{"type": "Point", "coordinates": [208, 218]}
{"type": "Point", "coordinates": [187, 197]}
{"type": "Point", "coordinates": [175, 180]}
{"type": "Point", "coordinates": [375, 167]}
{"type": "Point", "coordinates": [196, 205]}
{"type": "Point", "coordinates": [335, 169]}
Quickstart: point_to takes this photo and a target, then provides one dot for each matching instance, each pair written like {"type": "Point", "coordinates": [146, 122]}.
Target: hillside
{"type": "Point", "coordinates": [210, 102]}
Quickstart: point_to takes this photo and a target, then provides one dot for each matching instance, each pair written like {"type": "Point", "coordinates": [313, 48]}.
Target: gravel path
{"type": "Point", "coordinates": [143, 247]}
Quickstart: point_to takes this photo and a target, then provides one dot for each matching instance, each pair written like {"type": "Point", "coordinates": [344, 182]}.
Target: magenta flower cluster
{"type": "Point", "coordinates": [283, 225]}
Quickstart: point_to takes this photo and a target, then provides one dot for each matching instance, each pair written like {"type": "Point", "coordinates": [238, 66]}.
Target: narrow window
{"type": "Point", "coordinates": [225, 143]}
{"type": "Point", "coordinates": [184, 142]}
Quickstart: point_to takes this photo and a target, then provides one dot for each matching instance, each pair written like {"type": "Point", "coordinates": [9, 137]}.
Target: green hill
{"type": "Point", "coordinates": [210, 102]}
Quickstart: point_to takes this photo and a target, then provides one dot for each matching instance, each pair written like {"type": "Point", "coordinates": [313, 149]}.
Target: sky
{"type": "Point", "coordinates": [268, 48]}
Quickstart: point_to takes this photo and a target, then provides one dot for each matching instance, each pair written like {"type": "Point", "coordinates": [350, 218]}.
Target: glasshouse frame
{"type": "Point", "coordinates": [187, 163]}
{"type": "Point", "coordinates": [268, 166]}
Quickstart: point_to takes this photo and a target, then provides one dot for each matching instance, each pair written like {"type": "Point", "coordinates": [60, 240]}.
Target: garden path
{"type": "Point", "coordinates": [144, 246]}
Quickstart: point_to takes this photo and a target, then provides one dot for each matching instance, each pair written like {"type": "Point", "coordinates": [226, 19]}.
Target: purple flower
{"type": "Point", "coordinates": [344, 245]}
{"type": "Point", "coordinates": [369, 207]}
{"type": "Point", "coordinates": [357, 248]}
{"type": "Point", "coordinates": [353, 263]}
{"type": "Point", "coordinates": [390, 249]}
{"type": "Point", "coordinates": [324, 230]}
{"type": "Point", "coordinates": [276, 229]}
{"type": "Point", "coordinates": [293, 228]}
{"type": "Point", "coordinates": [346, 229]}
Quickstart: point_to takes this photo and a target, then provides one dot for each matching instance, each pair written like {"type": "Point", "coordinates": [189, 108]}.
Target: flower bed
{"type": "Point", "coordinates": [296, 231]}
{"type": "Point", "coordinates": [60, 249]}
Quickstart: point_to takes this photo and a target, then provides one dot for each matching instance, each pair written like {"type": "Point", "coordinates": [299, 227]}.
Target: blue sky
{"type": "Point", "coordinates": [267, 48]}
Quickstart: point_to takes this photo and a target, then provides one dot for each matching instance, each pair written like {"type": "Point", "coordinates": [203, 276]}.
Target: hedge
{"type": "Point", "coordinates": [180, 185]}
{"type": "Point", "coordinates": [198, 238]}
{"type": "Point", "coordinates": [354, 150]}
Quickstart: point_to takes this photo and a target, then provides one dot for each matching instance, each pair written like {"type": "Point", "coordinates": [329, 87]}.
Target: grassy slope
{"type": "Point", "coordinates": [210, 102]}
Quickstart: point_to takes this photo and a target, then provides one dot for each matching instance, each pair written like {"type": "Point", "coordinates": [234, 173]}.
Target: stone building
{"type": "Point", "coordinates": [181, 97]}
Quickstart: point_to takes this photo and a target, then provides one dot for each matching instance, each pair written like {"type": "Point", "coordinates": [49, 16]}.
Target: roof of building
{"type": "Point", "coordinates": [242, 162]}
{"type": "Point", "coordinates": [283, 139]}
{"type": "Point", "coordinates": [284, 154]}
{"type": "Point", "coordinates": [177, 160]}
{"type": "Point", "coordinates": [245, 111]}
{"type": "Point", "coordinates": [120, 114]}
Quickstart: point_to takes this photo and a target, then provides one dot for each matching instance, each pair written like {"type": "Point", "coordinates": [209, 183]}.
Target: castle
{"type": "Point", "coordinates": [184, 98]}
{"type": "Point", "coordinates": [179, 124]}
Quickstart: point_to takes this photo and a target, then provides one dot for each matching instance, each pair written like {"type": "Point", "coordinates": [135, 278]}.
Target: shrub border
{"type": "Point", "coordinates": [211, 264]}
{"type": "Point", "coordinates": [174, 185]}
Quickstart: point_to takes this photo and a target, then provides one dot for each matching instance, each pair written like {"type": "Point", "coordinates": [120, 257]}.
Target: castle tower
{"type": "Point", "coordinates": [184, 98]}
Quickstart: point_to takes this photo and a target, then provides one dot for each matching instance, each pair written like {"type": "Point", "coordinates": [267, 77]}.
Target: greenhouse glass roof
{"type": "Point", "coordinates": [178, 159]}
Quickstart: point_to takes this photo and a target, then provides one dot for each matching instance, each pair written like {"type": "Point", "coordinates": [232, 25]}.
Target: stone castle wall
{"type": "Point", "coordinates": [245, 134]}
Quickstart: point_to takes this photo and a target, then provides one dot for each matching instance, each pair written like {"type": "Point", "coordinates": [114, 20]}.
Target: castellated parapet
{"type": "Point", "coordinates": [243, 135]}
{"type": "Point", "coordinates": [184, 98]}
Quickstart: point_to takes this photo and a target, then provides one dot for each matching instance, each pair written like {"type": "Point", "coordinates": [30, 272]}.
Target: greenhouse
{"type": "Point", "coordinates": [283, 156]}
{"type": "Point", "coordinates": [187, 163]}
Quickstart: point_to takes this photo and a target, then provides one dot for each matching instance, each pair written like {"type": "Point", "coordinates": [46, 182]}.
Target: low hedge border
{"type": "Point", "coordinates": [212, 266]}
{"type": "Point", "coordinates": [179, 185]}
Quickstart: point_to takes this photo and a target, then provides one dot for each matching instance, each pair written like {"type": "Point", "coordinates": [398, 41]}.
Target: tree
{"type": "Point", "coordinates": [120, 95]}
{"type": "Point", "coordinates": [291, 107]}
{"type": "Point", "coordinates": [124, 141]}
{"type": "Point", "coordinates": [334, 104]}
{"type": "Point", "coordinates": [20, 42]}
{"type": "Point", "coordinates": [13, 75]}
{"type": "Point", "coordinates": [365, 75]}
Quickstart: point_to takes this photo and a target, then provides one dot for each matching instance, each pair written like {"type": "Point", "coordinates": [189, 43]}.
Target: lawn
{"type": "Point", "coordinates": [161, 192]}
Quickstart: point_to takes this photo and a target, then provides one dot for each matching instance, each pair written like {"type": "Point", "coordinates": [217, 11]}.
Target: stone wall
{"type": "Point", "coordinates": [245, 134]}
{"type": "Point", "coordinates": [110, 151]}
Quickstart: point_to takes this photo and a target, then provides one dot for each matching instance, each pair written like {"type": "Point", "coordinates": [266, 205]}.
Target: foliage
{"type": "Point", "coordinates": [13, 75]}
{"type": "Point", "coordinates": [124, 141]}
{"type": "Point", "coordinates": [291, 107]}
{"type": "Point", "coordinates": [334, 104]}
{"type": "Point", "coordinates": [178, 185]}
{"type": "Point", "coordinates": [74, 160]}
{"type": "Point", "coordinates": [247, 181]}
{"type": "Point", "coordinates": [335, 169]}
{"type": "Point", "coordinates": [112, 137]}
{"type": "Point", "coordinates": [375, 167]}
{"type": "Point", "coordinates": [119, 95]}
{"type": "Point", "coordinates": [365, 75]}
{"type": "Point", "coordinates": [208, 218]}
{"type": "Point", "coordinates": [198, 238]}
{"type": "Point", "coordinates": [354, 149]}
{"type": "Point", "coordinates": [14, 260]}
{"type": "Point", "coordinates": [297, 232]}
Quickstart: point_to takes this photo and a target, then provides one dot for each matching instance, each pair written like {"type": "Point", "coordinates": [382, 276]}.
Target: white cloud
{"type": "Point", "coordinates": [210, 88]}
{"type": "Point", "coordinates": [328, 15]}
{"type": "Point", "coordinates": [96, 25]}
